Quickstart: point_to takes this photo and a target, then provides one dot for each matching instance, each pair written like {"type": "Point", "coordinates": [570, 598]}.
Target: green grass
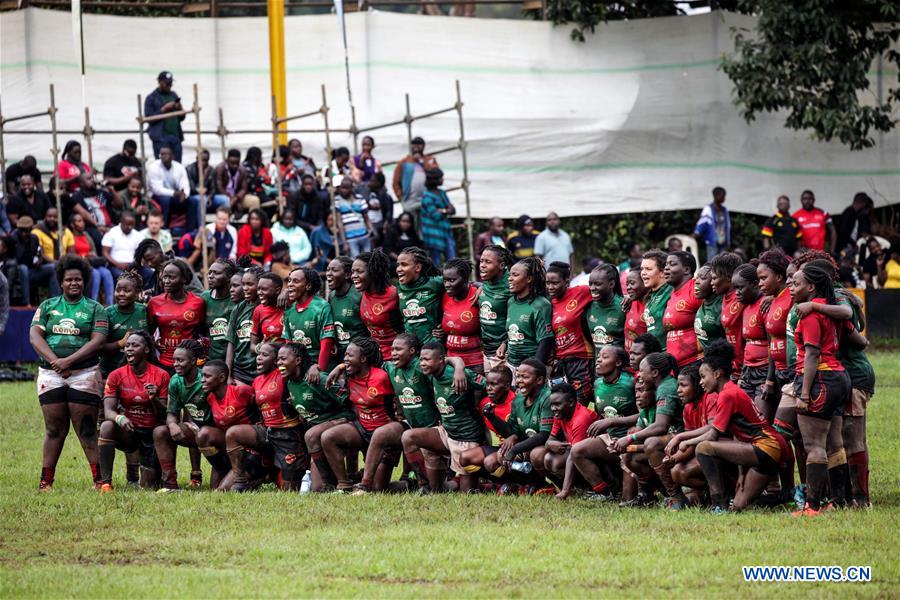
{"type": "Point", "coordinates": [75, 543]}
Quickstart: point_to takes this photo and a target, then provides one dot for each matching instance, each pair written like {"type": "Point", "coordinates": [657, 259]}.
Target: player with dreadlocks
{"type": "Point", "coordinates": [380, 305]}
{"type": "Point", "coordinates": [125, 315]}
{"type": "Point", "coordinates": [308, 320]}
{"type": "Point", "coordinates": [239, 356]}
{"type": "Point", "coordinates": [421, 289]}
{"type": "Point", "coordinates": [493, 268]}
{"type": "Point", "coordinates": [605, 317]}
{"type": "Point", "coordinates": [529, 317]}
{"type": "Point", "coordinates": [345, 302]}
{"type": "Point", "coordinates": [218, 305]}
{"type": "Point", "coordinates": [176, 313]}
{"type": "Point", "coordinates": [460, 326]}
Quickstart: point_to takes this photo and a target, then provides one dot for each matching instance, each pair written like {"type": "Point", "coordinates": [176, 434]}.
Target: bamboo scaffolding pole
{"type": "Point", "coordinates": [55, 150]}
{"type": "Point", "coordinates": [2, 151]}
{"type": "Point", "coordinates": [201, 186]}
{"type": "Point", "coordinates": [88, 133]}
{"type": "Point", "coordinates": [140, 132]}
{"type": "Point", "coordinates": [328, 149]}
{"type": "Point", "coordinates": [465, 164]}
{"type": "Point", "coordinates": [221, 131]}
{"type": "Point", "coordinates": [276, 157]}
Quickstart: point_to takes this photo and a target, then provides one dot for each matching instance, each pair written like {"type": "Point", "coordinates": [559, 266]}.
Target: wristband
{"type": "Point", "coordinates": [633, 437]}
{"type": "Point", "coordinates": [119, 420]}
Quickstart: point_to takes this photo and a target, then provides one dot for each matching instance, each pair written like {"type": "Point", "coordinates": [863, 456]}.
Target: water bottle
{"type": "Point", "coordinates": [306, 483]}
{"type": "Point", "coordinates": [521, 466]}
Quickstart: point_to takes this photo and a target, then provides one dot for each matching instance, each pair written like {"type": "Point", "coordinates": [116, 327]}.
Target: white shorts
{"type": "Point", "coordinates": [83, 380]}
{"type": "Point", "coordinates": [433, 460]}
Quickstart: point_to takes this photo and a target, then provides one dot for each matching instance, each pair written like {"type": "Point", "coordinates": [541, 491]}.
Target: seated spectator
{"type": "Point", "coordinates": [674, 245]}
{"type": "Point", "coordinates": [14, 172]}
{"type": "Point", "coordinates": [869, 261]}
{"type": "Point", "coordinates": [437, 209]}
{"type": "Point", "coordinates": [288, 173]}
{"type": "Point", "coordinates": [303, 165]}
{"type": "Point", "coordinates": [29, 200]}
{"type": "Point", "coordinates": [854, 222]}
{"type": "Point", "coordinates": [170, 187]}
{"type": "Point", "coordinates": [322, 240]}
{"type": "Point", "coordinates": [70, 168]}
{"type": "Point", "coordinates": [94, 204]}
{"type": "Point", "coordinates": [231, 183]}
{"type": "Point", "coordinates": [281, 260]}
{"type": "Point", "coordinates": [47, 233]}
{"type": "Point", "coordinates": [133, 197]}
{"type": "Point", "coordinates": [521, 242]}
{"type": "Point", "coordinates": [309, 203]}
{"type": "Point", "coordinates": [340, 167]}
{"type": "Point", "coordinates": [259, 183]}
{"type": "Point", "coordinates": [83, 246]}
{"type": "Point", "coordinates": [889, 268]}
{"type": "Point", "coordinates": [35, 268]}
{"type": "Point", "coordinates": [364, 165]}
{"type": "Point", "coordinates": [782, 229]}
{"type": "Point", "coordinates": [10, 269]}
{"type": "Point", "coordinates": [120, 243]}
{"type": "Point", "coordinates": [209, 183]}
{"type": "Point", "coordinates": [380, 205]}
{"type": "Point", "coordinates": [492, 237]}
{"type": "Point", "coordinates": [120, 168]}
{"type": "Point", "coordinates": [222, 235]}
{"type": "Point", "coordinates": [5, 226]}
{"type": "Point", "coordinates": [401, 235]}
{"type": "Point", "coordinates": [354, 229]}
{"type": "Point", "coordinates": [287, 230]}
{"type": "Point", "coordinates": [409, 176]}
{"type": "Point", "coordinates": [255, 238]}
{"type": "Point", "coordinates": [155, 231]}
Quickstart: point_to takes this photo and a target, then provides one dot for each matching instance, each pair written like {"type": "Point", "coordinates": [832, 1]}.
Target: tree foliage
{"type": "Point", "coordinates": [585, 15]}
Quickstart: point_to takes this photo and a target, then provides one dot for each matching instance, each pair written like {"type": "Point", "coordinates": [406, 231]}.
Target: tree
{"type": "Point", "coordinates": [587, 14]}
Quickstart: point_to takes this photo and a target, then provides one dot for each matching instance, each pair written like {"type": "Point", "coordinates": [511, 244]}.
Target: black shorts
{"type": "Point", "coordinates": [579, 374]}
{"type": "Point", "coordinates": [68, 395]}
{"type": "Point", "coordinates": [828, 395]}
{"type": "Point", "coordinates": [766, 464]}
{"type": "Point", "coordinates": [287, 447]}
{"type": "Point", "coordinates": [365, 435]}
{"type": "Point", "coordinates": [141, 439]}
{"type": "Point", "coordinates": [753, 380]}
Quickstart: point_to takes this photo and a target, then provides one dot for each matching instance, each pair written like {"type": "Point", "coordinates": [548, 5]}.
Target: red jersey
{"type": "Point", "coordinates": [813, 227]}
{"type": "Point", "coordinates": [678, 322]}
{"type": "Point", "coordinates": [575, 429]}
{"type": "Point", "coordinates": [776, 328]}
{"type": "Point", "coordinates": [818, 330]}
{"type": "Point", "coordinates": [500, 410]}
{"type": "Point", "coordinates": [177, 321]}
{"type": "Point", "coordinates": [462, 324]}
{"type": "Point", "coordinates": [273, 401]}
{"type": "Point", "coordinates": [268, 322]}
{"type": "Point", "coordinates": [127, 387]}
{"type": "Point", "coordinates": [634, 323]}
{"type": "Point", "coordinates": [380, 313]}
{"type": "Point", "coordinates": [753, 334]}
{"type": "Point", "coordinates": [373, 398]}
{"type": "Point", "coordinates": [233, 408]}
{"type": "Point", "coordinates": [732, 310]}
{"type": "Point", "coordinates": [568, 323]}
{"type": "Point", "coordinates": [696, 414]}
{"type": "Point", "coordinates": [736, 414]}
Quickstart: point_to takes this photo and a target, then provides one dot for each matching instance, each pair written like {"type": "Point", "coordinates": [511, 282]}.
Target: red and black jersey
{"type": "Point", "coordinates": [274, 401]}
{"type": "Point", "coordinates": [177, 321]}
{"type": "Point", "coordinates": [381, 315]}
{"type": "Point", "coordinates": [372, 397]}
{"type": "Point", "coordinates": [634, 322]}
{"type": "Point", "coordinates": [732, 311]}
{"type": "Point", "coordinates": [735, 414]}
{"type": "Point", "coordinates": [776, 328]}
{"type": "Point", "coordinates": [268, 322]}
{"type": "Point", "coordinates": [815, 329]}
{"type": "Point", "coordinates": [678, 321]}
{"type": "Point", "coordinates": [501, 411]}
{"type": "Point", "coordinates": [462, 324]}
{"type": "Point", "coordinates": [233, 408]}
{"type": "Point", "coordinates": [127, 387]}
{"type": "Point", "coordinates": [696, 414]}
{"type": "Point", "coordinates": [575, 428]}
{"type": "Point", "coordinates": [569, 332]}
{"type": "Point", "coordinates": [753, 333]}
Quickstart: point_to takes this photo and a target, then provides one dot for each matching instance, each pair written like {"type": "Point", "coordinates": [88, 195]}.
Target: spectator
{"type": "Point", "coordinates": [814, 223]}
{"type": "Point", "coordinates": [29, 200]}
{"type": "Point", "coordinates": [309, 203]}
{"type": "Point", "coordinates": [286, 230]}
{"type": "Point", "coordinates": [165, 132]}
{"type": "Point", "coordinates": [35, 268]}
{"type": "Point", "coordinates": [303, 165]}
{"type": "Point", "coordinates": [255, 238]}
{"type": "Point", "coordinates": [222, 235]}
{"type": "Point", "coordinates": [231, 183]}
{"type": "Point", "coordinates": [674, 245]}
{"type": "Point", "coordinates": [259, 183]}
{"type": "Point", "coordinates": [5, 226]}
{"type": "Point", "coordinates": [83, 246]}
{"type": "Point", "coordinates": [155, 231]}
{"type": "Point", "coordinates": [10, 269]}
{"type": "Point", "coordinates": [869, 261]}
{"type": "Point", "coordinates": [170, 187]}
{"type": "Point", "coordinates": [521, 242]}
{"type": "Point", "coordinates": [4, 302]}
{"type": "Point", "coordinates": [854, 222]}
{"type": "Point", "coordinates": [633, 254]}
{"type": "Point", "coordinates": [714, 226]}
{"type": "Point", "coordinates": [437, 209]}
{"type": "Point", "coordinates": [380, 205]}
{"type": "Point", "coordinates": [782, 229]}
{"type": "Point", "coordinates": [120, 243]}
{"type": "Point", "coordinates": [340, 167]}
{"type": "Point", "coordinates": [93, 203]}
{"type": "Point", "coordinates": [322, 240]}
{"type": "Point", "coordinates": [354, 228]}
{"type": "Point", "coordinates": [889, 268]}
{"type": "Point", "coordinates": [400, 236]}
{"type": "Point", "coordinates": [553, 244]}
{"type": "Point", "coordinates": [47, 233]}
{"type": "Point", "coordinates": [70, 168]}
{"type": "Point", "coordinates": [209, 184]}
{"type": "Point", "coordinates": [364, 164]}
{"type": "Point", "coordinates": [134, 198]}
{"type": "Point", "coordinates": [409, 176]}
{"type": "Point", "coordinates": [588, 264]}
{"type": "Point", "coordinates": [281, 260]}
{"type": "Point", "coordinates": [492, 237]}
{"type": "Point", "coordinates": [289, 174]}
{"type": "Point", "coordinates": [119, 169]}
{"type": "Point", "coordinates": [14, 172]}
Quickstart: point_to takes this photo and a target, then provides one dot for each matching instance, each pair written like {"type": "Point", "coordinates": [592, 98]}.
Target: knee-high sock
{"type": "Point", "coordinates": [859, 475]}
{"type": "Point", "coordinates": [816, 478]}
{"type": "Point", "coordinates": [107, 451]}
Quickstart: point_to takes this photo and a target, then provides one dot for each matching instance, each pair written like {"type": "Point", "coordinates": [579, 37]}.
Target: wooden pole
{"type": "Point", "coordinates": [140, 132]}
{"type": "Point", "coordinates": [334, 212]}
{"type": "Point", "coordinates": [465, 181]}
{"type": "Point", "coordinates": [222, 132]}
{"type": "Point", "coordinates": [88, 140]}
{"type": "Point", "coordinates": [55, 150]}
{"type": "Point", "coordinates": [201, 188]}
{"type": "Point", "coordinates": [409, 121]}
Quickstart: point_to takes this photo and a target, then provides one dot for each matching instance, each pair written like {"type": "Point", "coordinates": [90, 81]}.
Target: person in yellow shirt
{"type": "Point", "coordinates": [889, 268]}
{"type": "Point", "coordinates": [47, 233]}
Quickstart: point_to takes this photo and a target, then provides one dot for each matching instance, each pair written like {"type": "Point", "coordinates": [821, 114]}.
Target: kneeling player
{"type": "Point", "coordinates": [682, 468]}
{"type": "Point", "coordinates": [494, 406]}
{"type": "Point", "coordinates": [571, 420]}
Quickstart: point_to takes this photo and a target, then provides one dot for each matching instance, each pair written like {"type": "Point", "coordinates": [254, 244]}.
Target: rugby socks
{"type": "Point", "coordinates": [324, 468]}
{"type": "Point", "coordinates": [216, 459]}
{"type": "Point", "coordinates": [170, 474]}
{"type": "Point", "coordinates": [236, 456]}
{"type": "Point", "coordinates": [816, 478]}
{"type": "Point", "coordinates": [417, 465]}
{"type": "Point", "coordinates": [48, 475]}
{"type": "Point", "coordinates": [95, 472]}
{"type": "Point", "coordinates": [664, 472]}
{"type": "Point", "coordinates": [107, 450]}
{"type": "Point", "coordinates": [132, 472]}
{"type": "Point", "coordinates": [713, 472]}
{"type": "Point", "coordinates": [600, 487]}
{"type": "Point", "coordinates": [859, 475]}
{"type": "Point", "coordinates": [838, 474]}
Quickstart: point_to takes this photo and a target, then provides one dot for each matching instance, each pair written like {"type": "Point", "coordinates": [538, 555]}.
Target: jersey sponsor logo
{"type": "Point", "coordinates": [272, 386]}
{"type": "Point", "coordinates": [466, 316]}
{"type": "Point", "coordinates": [572, 305]}
{"type": "Point", "coordinates": [514, 334]}
{"type": "Point", "coordinates": [81, 315]}
{"type": "Point", "coordinates": [197, 414]}
{"type": "Point", "coordinates": [175, 333]}
{"type": "Point", "coordinates": [610, 412]}
{"type": "Point", "coordinates": [300, 337]}
{"type": "Point", "coordinates": [600, 336]}
{"type": "Point", "coordinates": [219, 327]}
{"type": "Point", "coordinates": [779, 312]}
{"type": "Point", "coordinates": [443, 407]}
{"type": "Point", "coordinates": [413, 309]}
{"type": "Point", "coordinates": [65, 327]}
{"type": "Point", "coordinates": [648, 318]}
{"type": "Point", "coordinates": [230, 411]}
{"type": "Point", "coordinates": [408, 397]}
{"type": "Point", "coordinates": [290, 458]}
{"type": "Point", "coordinates": [264, 406]}
{"type": "Point", "coordinates": [486, 311]}
{"type": "Point", "coordinates": [734, 308]}
{"type": "Point", "coordinates": [754, 320]}
{"type": "Point", "coordinates": [244, 329]}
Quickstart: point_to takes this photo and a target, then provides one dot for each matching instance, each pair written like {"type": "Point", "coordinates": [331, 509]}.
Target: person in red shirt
{"type": "Point", "coordinates": [498, 402]}
{"type": "Point", "coordinates": [723, 267]}
{"type": "Point", "coordinates": [372, 396]}
{"type": "Point", "coordinates": [755, 358]}
{"type": "Point", "coordinates": [280, 432]}
{"type": "Point", "coordinates": [570, 424]}
{"type": "Point", "coordinates": [255, 238]}
{"type": "Point", "coordinates": [268, 318]}
{"type": "Point", "coordinates": [176, 314]}
{"type": "Point", "coordinates": [141, 391]}
{"type": "Point", "coordinates": [822, 388]}
{"type": "Point", "coordinates": [230, 405]}
{"type": "Point", "coordinates": [380, 306]}
{"type": "Point", "coordinates": [755, 445]}
{"type": "Point", "coordinates": [635, 291]}
{"type": "Point", "coordinates": [574, 349]}
{"type": "Point", "coordinates": [460, 329]}
{"type": "Point", "coordinates": [772, 273]}
{"type": "Point", "coordinates": [682, 468]}
{"type": "Point", "coordinates": [815, 223]}
{"type": "Point", "coordinates": [678, 318]}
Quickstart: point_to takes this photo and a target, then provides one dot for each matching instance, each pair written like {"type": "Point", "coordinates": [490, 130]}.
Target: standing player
{"type": "Point", "coordinates": [755, 357]}
{"type": "Point", "coordinates": [653, 265]}
{"type": "Point", "coordinates": [126, 315]}
{"type": "Point", "coordinates": [636, 293]}
{"type": "Point", "coordinates": [708, 320]}
{"type": "Point", "coordinates": [239, 357]}
{"type": "Point", "coordinates": [573, 348]}
{"type": "Point", "coordinates": [529, 314]}
{"type": "Point", "coordinates": [605, 317]}
{"type": "Point", "coordinates": [723, 267]}
{"type": "Point", "coordinates": [493, 267]}
{"type": "Point", "coordinates": [268, 318]}
{"type": "Point", "coordinates": [309, 321]}
{"type": "Point", "coordinates": [421, 288]}
{"type": "Point", "coordinates": [380, 305]}
{"type": "Point", "coordinates": [681, 310]}
{"type": "Point", "coordinates": [772, 273]}
{"type": "Point", "coordinates": [218, 306]}
{"type": "Point", "coordinates": [176, 314]}
{"type": "Point", "coordinates": [345, 301]}
{"type": "Point", "coordinates": [460, 322]}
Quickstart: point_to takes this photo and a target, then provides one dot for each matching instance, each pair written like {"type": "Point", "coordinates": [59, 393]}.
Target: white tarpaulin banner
{"type": "Point", "coordinates": [639, 118]}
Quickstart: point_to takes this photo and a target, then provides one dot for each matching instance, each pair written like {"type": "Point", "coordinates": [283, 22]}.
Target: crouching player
{"type": "Point", "coordinates": [682, 467]}
{"type": "Point", "coordinates": [571, 420]}
{"type": "Point", "coordinates": [495, 406]}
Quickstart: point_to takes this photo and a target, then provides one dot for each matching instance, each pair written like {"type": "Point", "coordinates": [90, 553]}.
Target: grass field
{"type": "Point", "coordinates": [75, 543]}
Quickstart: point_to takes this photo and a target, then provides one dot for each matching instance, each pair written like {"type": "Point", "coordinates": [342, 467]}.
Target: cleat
{"type": "Point", "coordinates": [546, 491]}
{"type": "Point", "coordinates": [800, 496]}
{"type": "Point", "coordinates": [45, 486]}
{"type": "Point", "coordinates": [165, 490]}
{"type": "Point", "coordinates": [132, 485]}
{"type": "Point", "coordinates": [595, 497]}
{"type": "Point", "coordinates": [639, 501]}
{"type": "Point", "coordinates": [360, 490]}
{"type": "Point", "coordinates": [807, 512]}
{"type": "Point", "coordinates": [677, 503]}
{"type": "Point", "coordinates": [508, 489]}
{"type": "Point", "coordinates": [106, 488]}
{"type": "Point", "coordinates": [718, 510]}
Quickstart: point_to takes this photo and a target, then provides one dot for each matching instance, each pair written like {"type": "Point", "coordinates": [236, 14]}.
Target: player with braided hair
{"type": "Point", "coordinates": [239, 355]}
{"type": "Point", "coordinates": [268, 317]}
{"type": "Point", "coordinates": [574, 350]}
{"type": "Point", "coordinates": [493, 269]}
{"type": "Point", "coordinates": [380, 305]}
{"type": "Point", "coordinates": [187, 411]}
{"type": "Point", "coordinates": [635, 295]}
{"type": "Point", "coordinates": [309, 321]}
{"type": "Point", "coordinates": [176, 313]}
{"type": "Point", "coordinates": [372, 397]}
{"type": "Point", "coordinates": [125, 315]}
{"type": "Point", "coordinates": [755, 355]}
{"type": "Point", "coordinates": [421, 288]}
{"type": "Point", "coordinates": [218, 305]}
{"type": "Point", "coordinates": [681, 309]}
{"type": "Point", "coordinates": [605, 316]}
{"type": "Point", "coordinates": [529, 317]}
{"type": "Point", "coordinates": [460, 327]}
{"type": "Point", "coordinates": [723, 267]}
{"type": "Point", "coordinates": [772, 274]}
{"type": "Point", "coordinates": [345, 301]}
